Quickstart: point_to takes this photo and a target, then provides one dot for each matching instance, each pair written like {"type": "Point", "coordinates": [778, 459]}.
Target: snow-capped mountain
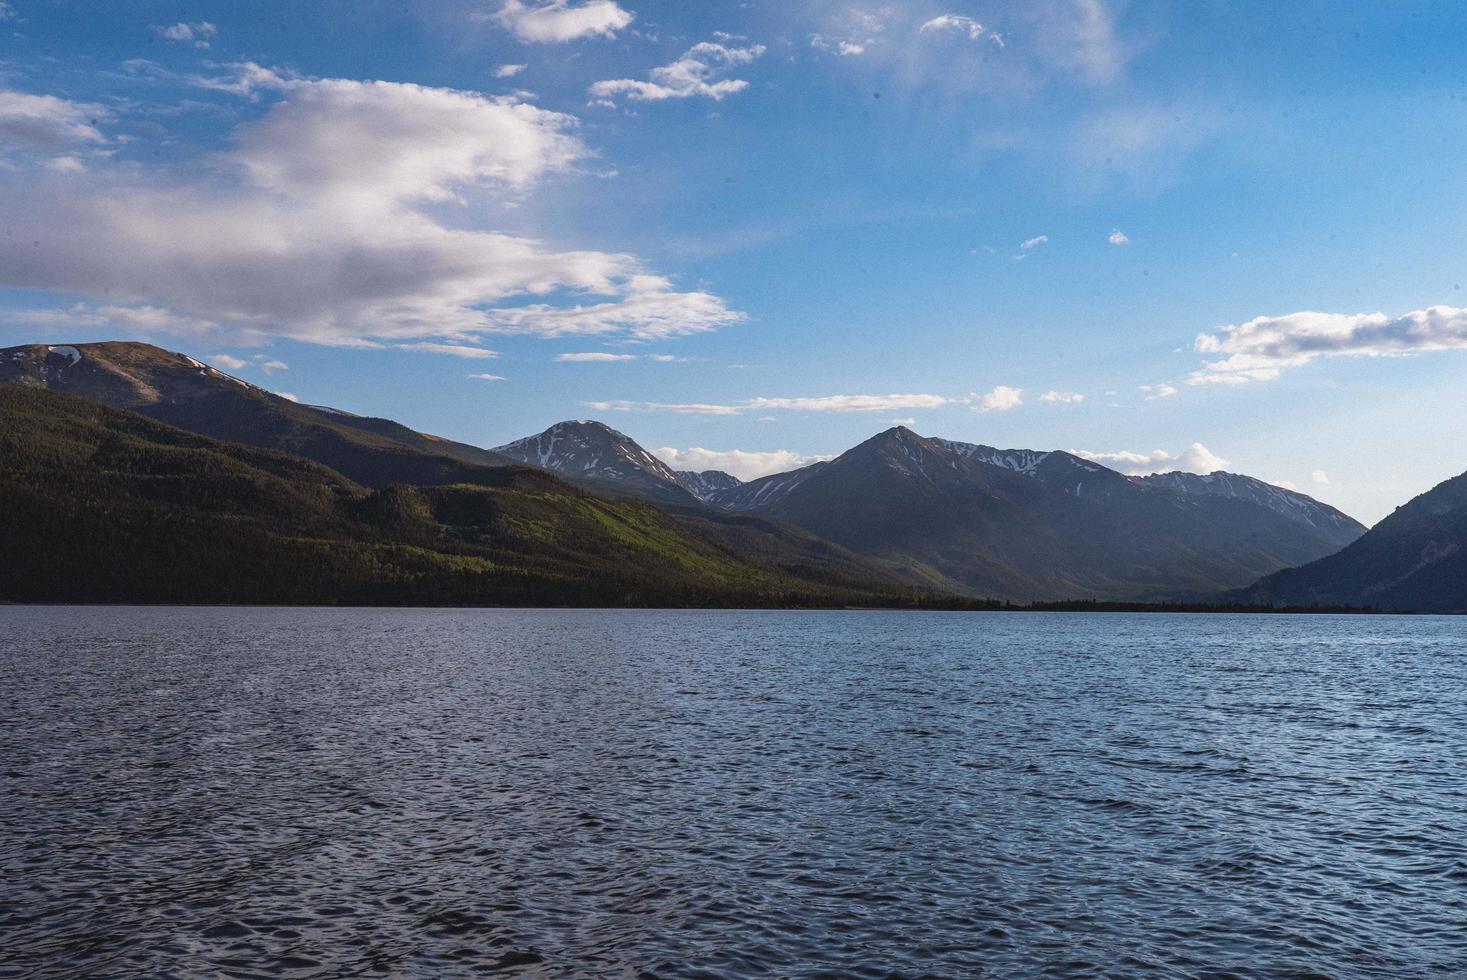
{"type": "Point", "coordinates": [1023, 524]}
{"type": "Point", "coordinates": [595, 453]}
{"type": "Point", "coordinates": [705, 484]}
{"type": "Point", "coordinates": [1289, 503]}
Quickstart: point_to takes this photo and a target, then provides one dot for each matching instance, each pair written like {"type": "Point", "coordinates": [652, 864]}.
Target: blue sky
{"type": "Point", "coordinates": [1172, 235]}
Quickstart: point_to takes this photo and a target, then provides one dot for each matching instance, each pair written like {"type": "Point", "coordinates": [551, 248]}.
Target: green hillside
{"type": "Point", "coordinates": [99, 504]}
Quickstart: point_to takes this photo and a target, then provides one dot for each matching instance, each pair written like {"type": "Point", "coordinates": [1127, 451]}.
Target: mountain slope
{"type": "Point", "coordinates": [595, 454]}
{"type": "Point", "coordinates": [181, 391]}
{"type": "Point", "coordinates": [1334, 526]}
{"type": "Point", "coordinates": [106, 505]}
{"type": "Point", "coordinates": [1413, 561]}
{"type": "Point", "coordinates": [1023, 525]}
{"type": "Point", "coordinates": [705, 484]}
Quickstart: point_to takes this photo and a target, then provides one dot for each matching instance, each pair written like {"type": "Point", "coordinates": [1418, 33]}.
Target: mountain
{"type": "Point", "coordinates": [104, 505]}
{"type": "Point", "coordinates": [596, 455]}
{"type": "Point", "coordinates": [1413, 561]}
{"type": "Point", "coordinates": [1338, 528]}
{"type": "Point", "coordinates": [181, 391]}
{"type": "Point", "coordinates": [1034, 526]}
{"type": "Point", "coordinates": [705, 484]}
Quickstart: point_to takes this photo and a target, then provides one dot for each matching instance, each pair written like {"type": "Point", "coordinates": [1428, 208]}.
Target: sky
{"type": "Point", "coordinates": [1166, 235]}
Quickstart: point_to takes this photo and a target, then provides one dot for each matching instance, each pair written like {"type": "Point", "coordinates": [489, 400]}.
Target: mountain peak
{"type": "Point", "coordinates": [585, 449]}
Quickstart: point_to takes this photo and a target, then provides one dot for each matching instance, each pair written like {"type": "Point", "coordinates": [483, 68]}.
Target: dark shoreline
{"type": "Point", "coordinates": [959, 606]}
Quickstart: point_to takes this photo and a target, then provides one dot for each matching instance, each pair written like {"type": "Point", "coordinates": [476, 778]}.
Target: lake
{"type": "Point", "coordinates": [245, 792]}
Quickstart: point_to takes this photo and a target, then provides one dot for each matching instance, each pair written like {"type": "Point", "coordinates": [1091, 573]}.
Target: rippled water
{"type": "Point", "coordinates": [249, 792]}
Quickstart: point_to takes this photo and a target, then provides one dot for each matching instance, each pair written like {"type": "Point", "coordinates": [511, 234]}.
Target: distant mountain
{"type": "Point", "coordinates": [104, 505]}
{"type": "Point", "coordinates": [1413, 561]}
{"type": "Point", "coordinates": [1027, 525]}
{"type": "Point", "coordinates": [596, 455]}
{"type": "Point", "coordinates": [1337, 527]}
{"type": "Point", "coordinates": [179, 390]}
{"type": "Point", "coordinates": [705, 484]}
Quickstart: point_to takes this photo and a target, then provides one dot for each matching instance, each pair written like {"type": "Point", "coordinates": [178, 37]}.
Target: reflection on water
{"type": "Point", "coordinates": [310, 792]}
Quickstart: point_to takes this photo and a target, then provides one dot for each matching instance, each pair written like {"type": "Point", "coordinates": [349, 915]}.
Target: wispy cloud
{"type": "Point", "coordinates": [696, 73]}
{"type": "Point", "coordinates": [227, 362]}
{"type": "Point", "coordinates": [488, 377]}
{"type": "Point", "coordinates": [1163, 390]}
{"type": "Point", "coordinates": [1062, 397]}
{"type": "Point", "coordinates": [1118, 237]}
{"type": "Point", "coordinates": [593, 357]}
{"type": "Point", "coordinates": [675, 409]}
{"type": "Point", "coordinates": [452, 350]}
{"type": "Point", "coordinates": [558, 21]}
{"type": "Point", "coordinates": [1265, 346]}
{"type": "Point", "coordinates": [199, 33]}
{"type": "Point", "coordinates": [509, 71]}
{"type": "Point", "coordinates": [959, 24]}
{"type": "Point", "coordinates": [824, 403]}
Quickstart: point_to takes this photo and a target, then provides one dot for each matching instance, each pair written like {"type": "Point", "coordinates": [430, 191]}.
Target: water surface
{"type": "Point", "coordinates": [247, 792]}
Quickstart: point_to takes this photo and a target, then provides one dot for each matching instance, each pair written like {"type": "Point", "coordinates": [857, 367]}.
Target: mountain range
{"type": "Point", "coordinates": [898, 515]}
{"type": "Point", "coordinates": [1013, 524]}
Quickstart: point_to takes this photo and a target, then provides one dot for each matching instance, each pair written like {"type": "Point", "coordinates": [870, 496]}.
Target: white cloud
{"type": "Point", "coordinates": [270, 367]}
{"type": "Point", "coordinates": [902, 421]}
{"type": "Point", "coordinates": [1320, 477]}
{"type": "Point", "coordinates": [649, 310]}
{"type": "Point", "coordinates": [960, 24]}
{"type": "Point", "coordinates": [330, 242]}
{"type": "Point", "coordinates": [1062, 397]}
{"type": "Point", "coordinates": [228, 362]}
{"type": "Point", "coordinates": [1118, 237]}
{"type": "Point", "coordinates": [593, 357]}
{"type": "Point", "coordinates": [740, 463]}
{"type": "Point", "coordinates": [286, 395]}
{"type": "Point", "coordinates": [488, 377]}
{"type": "Point", "coordinates": [509, 71]}
{"type": "Point", "coordinates": [825, 403]}
{"type": "Point", "coordinates": [848, 403]}
{"type": "Point", "coordinates": [844, 48]}
{"type": "Point", "coordinates": [560, 20]}
{"type": "Point", "coordinates": [66, 165]}
{"type": "Point", "coordinates": [44, 122]}
{"type": "Point", "coordinates": [1196, 458]}
{"type": "Point", "coordinates": [1030, 243]}
{"type": "Point", "coordinates": [1153, 392]}
{"type": "Point", "coordinates": [246, 78]}
{"type": "Point", "coordinates": [1001, 399]}
{"type": "Point", "coordinates": [198, 33]}
{"type": "Point", "coordinates": [694, 74]}
{"type": "Point", "coordinates": [1263, 347]}
{"type": "Point", "coordinates": [452, 350]}
{"type": "Point", "coordinates": [7, 11]}
{"type": "Point", "coordinates": [684, 409]}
